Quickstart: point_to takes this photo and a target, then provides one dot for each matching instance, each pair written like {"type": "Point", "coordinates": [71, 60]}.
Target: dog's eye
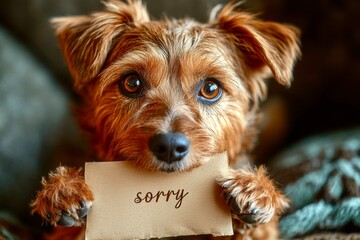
{"type": "Point", "coordinates": [131, 85]}
{"type": "Point", "coordinates": [210, 91]}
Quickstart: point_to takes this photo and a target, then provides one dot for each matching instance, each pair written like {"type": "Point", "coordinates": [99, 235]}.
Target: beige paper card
{"type": "Point", "coordinates": [133, 203]}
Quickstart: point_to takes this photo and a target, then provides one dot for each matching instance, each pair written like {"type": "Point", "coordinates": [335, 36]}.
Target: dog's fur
{"type": "Point", "coordinates": [172, 58]}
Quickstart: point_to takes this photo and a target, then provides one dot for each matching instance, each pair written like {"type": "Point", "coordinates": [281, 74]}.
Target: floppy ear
{"type": "Point", "coordinates": [263, 46]}
{"type": "Point", "coordinates": [87, 40]}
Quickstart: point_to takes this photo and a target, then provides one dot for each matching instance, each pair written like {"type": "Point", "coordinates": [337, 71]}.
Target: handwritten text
{"type": "Point", "coordinates": [148, 197]}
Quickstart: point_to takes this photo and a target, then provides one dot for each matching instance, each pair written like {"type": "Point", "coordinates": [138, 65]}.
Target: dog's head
{"type": "Point", "coordinates": [168, 94]}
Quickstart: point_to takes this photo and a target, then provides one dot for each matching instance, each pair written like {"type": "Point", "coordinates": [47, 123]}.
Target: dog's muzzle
{"type": "Point", "coordinates": [169, 147]}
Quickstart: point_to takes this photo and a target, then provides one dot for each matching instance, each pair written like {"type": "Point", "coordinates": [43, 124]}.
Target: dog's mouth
{"type": "Point", "coordinates": [171, 167]}
{"type": "Point", "coordinates": [168, 170]}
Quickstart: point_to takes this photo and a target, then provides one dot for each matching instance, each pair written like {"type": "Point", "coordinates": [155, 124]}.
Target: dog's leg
{"type": "Point", "coordinates": [64, 199]}
{"type": "Point", "coordinates": [252, 197]}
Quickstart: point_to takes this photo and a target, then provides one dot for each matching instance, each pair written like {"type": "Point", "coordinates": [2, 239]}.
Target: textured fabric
{"type": "Point", "coordinates": [321, 176]}
{"type": "Point", "coordinates": [333, 236]}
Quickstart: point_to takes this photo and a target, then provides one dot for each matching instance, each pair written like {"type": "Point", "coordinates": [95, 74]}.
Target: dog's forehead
{"type": "Point", "coordinates": [174, 36]}
{"type": "Point", "coordinates": [185, 49]}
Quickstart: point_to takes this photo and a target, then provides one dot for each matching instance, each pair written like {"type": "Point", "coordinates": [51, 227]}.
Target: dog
{"type": "Point", "coordinates": [169, 94]}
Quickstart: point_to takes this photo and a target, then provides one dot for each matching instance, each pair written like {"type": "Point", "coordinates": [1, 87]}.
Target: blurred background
{"type": "Point", "coordinates": [37, 129]}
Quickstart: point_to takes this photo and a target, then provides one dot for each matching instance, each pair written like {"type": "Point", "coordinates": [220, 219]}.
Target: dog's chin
{"type": "Point", "coordinates": [171, 167]}
{"type": "Point", "coordinates": [168, 170]}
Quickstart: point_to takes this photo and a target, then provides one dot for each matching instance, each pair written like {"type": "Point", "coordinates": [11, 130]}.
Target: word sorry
{"type": "Point", "coordinates": [154, 197]}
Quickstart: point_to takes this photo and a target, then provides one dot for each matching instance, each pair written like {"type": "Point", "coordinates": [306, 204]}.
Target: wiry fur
{"type": "Point", "coordinates": [173, 57]}
{"type": "Point", "coordinates": [63, 191]}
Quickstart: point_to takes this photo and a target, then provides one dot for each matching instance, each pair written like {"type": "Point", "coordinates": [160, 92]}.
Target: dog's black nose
{"type": "Point", "coordinates": [169, 147]}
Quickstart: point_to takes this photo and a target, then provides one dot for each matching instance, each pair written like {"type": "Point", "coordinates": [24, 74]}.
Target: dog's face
{"type": "Point", "coordinates": [168, 94]}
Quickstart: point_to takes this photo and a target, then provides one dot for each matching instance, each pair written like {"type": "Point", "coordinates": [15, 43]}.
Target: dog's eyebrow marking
{"type": "Point", "coordinates": [137, 60]}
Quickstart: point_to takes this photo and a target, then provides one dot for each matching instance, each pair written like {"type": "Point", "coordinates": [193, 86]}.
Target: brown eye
{"type": "Point", "coordinates": [210, 91]}
{"type": "Point", "coordinates": [131, 85]}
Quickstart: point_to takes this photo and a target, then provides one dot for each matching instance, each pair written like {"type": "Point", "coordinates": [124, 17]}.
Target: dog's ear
{"type": "Point", "coordinates": [87, 40]}
{"type": "Point", "coordinates": [266, 48]}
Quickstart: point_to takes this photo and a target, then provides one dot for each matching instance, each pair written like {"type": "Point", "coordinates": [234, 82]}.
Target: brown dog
{"type": "Point", "coordinates": [167, 95]}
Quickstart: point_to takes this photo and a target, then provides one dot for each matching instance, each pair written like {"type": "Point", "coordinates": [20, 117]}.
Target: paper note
{"type": "Point", "coordinates": [133, 203]}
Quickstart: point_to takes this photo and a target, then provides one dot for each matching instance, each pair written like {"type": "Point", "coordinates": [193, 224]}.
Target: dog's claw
{"type": "Point", "coordinates": [66, 221]}
{"type": "Point", "coordinates": [69, 218]}
{"type": "Point", "coordinates": [84, 210]}
{"type": "Point", "coordinates": [247, 218]}
{"type": "Point", "coordinates": [83, 204]}
{"type": "Point", "coordinates": [234, 206]}
{"type": "Point", "coordinates": [73, 216]}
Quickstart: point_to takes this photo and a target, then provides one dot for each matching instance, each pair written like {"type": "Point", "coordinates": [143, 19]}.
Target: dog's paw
{"type": "Point", "coordinates": [73, 216]}
{"type": "Point", "coordinates": [251, 195]}
{"type": "Point", "coordinates": [64, 199]}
